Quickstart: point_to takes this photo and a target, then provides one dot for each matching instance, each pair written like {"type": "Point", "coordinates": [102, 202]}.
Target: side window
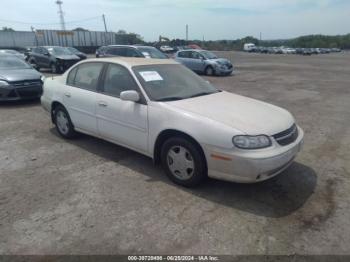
{"type": "Point", "coordinates": [117, 51]}
{"type": "Point", "coordinates": [130, 52]}
{"type": "Point", "coordinates": [71, 76]}
{"type": "Point", "coordinates": [183, 54]}
{"type": "Point", "coordinates": [117, 80]}
{"type": "Point", "coordinates": [195, 55]}
{"type": "Point", "coordinates": [40, 50]}
{"type": "Point", "coordinates": [87, 76]}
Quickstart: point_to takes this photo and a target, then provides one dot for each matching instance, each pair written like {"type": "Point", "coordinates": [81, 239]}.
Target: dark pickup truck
{"type": "Point", "coordinates": [57, 58]}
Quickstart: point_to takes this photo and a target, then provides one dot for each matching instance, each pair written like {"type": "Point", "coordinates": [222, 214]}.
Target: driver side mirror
{"type": "Point", "coordinates": [130, 95]}
{"type": "Point", "coordinates": [47, 54]}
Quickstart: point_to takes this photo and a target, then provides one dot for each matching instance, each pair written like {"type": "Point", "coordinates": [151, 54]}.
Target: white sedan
{"type": "Point", "coordinates": [162, 110]}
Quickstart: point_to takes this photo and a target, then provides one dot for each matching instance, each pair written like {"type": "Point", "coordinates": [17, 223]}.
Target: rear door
{"type": "Point", "coordinates": [46, 57]}
{"type": "Point", "coordinates": [121, 121]}
{"type": "Point", "coordinates": [38, 55]}
{"type": "Point", "coordinates": [81, 94]}
{"type": "Point", "coordinates": [184, 58]}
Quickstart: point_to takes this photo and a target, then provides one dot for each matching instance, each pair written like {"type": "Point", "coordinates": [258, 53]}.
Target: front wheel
{"type": "Point", "coordinates": [183, 162]}
{"type": "Point", "coordinates": [209, 71]}
{"type": "Point", "coordinates": [54, 68]}
{"type": "Point", "coordinates": [63, 123]}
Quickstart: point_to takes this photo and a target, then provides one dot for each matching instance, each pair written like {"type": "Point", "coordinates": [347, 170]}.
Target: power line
{"type": "Point", "coordinates": [31, 23]}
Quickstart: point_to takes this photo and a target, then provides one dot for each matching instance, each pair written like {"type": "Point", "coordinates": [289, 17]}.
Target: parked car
{"type": "Point", "coordinates": [336, 50]}
{"type": "Point", "coordinates": [99, 51]}
{"type": "Point", "coordinates": [166, 49]}
{"type": "Point", "coordinates": [76, 52]}
{"type": "Point", "coordinates": [12, 52]}
{"type": "Point", "coordinates": [288, 50]}
{"type": "Point", "coordinates": [18, 80]}
{"type": "Point", "coordinates": [163, 110]}
{"type": "Point", "coordinates": [249, 47]}
{"type": "Point", "coordinates": [132, 51]}
{"type": "Point", "coordinates": [57, 58]}
{"type": "Point", "coordinates": [202, 61]}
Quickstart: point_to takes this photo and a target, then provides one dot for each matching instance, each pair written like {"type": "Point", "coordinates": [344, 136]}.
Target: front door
{"type": "Point", "coordinates": [197, 61]}
{"type": "Point", "coordinates": [121, 121]}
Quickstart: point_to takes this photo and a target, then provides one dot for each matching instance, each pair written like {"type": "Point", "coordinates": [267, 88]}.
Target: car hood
{"type": "Point", "coordinates": [248, 115]}
{"type": "Point", "coordinates": [19, 74]}
{"type": "Point", "coordinates": [68, 57]}
{"type": "Point", "coordinates": [221, 61]}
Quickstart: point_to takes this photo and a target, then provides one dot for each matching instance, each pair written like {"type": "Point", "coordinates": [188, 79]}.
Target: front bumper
{"type": "Point", "coordinates": [251, 166]}
{"type": "Point", "coordinates": [223, 70]}
{"type": "Point", "coordinates": [20, 93]}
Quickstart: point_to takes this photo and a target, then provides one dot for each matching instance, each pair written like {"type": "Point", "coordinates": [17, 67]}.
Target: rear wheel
{"type": "Point", "coordinates": [183, 162]}
{"type": "Point", "coordinates": [63, 123]}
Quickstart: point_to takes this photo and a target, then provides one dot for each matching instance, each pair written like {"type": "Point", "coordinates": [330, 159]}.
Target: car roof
{"type": "Point", "coordinates": [132, 46]}
{"type": "Point", "coordinates": [197, 50]}
{"type": "Point", "coordinates": [132, 61]}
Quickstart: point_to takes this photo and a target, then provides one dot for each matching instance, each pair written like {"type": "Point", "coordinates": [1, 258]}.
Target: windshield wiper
{"type": "Point", "coordinates": [201, 94]}
{"type": "Point", "coordinates": [170, 98]}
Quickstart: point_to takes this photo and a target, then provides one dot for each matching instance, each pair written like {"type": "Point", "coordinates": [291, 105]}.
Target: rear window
{"type": "Point", "coordinates": [151, 52]}
{"type": "Point", "coordinates": [86, 76]}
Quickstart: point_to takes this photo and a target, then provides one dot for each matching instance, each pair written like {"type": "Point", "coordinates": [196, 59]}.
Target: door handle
{"type": "Point", "coordinates": [102, 104]}
{"type": "Point", "coordinates": [67, 94]}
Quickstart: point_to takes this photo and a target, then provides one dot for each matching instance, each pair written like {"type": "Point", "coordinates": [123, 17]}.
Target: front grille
{"type": "Point", "coordinates": [26, 83]}
{"type": "Point", "coordinates": [288, 136]}
{"type": "Point", "coordinates": [28, 92]}
{"type": "Point", "coordinates": [68, 63]}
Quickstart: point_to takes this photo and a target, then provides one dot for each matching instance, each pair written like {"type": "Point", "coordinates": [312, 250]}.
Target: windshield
{"type": "Point", "coordinates": [171, 82]}
{"type": "Point", "coordinates": [7, 62]}
{"type": "Point", "coordinates": [208, 55]}
{"type": "Point", "coordinates": [73, 50]}
{"type": "Point", "coordinates": [9, 52]}
{"type": "Point", "coordinates": [152, 52]}
{"type": "Point", "coordinates": [59, 51]}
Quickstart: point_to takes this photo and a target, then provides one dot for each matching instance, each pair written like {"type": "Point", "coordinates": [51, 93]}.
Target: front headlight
{"type": "Point", "coordinates": [42, 78]}
{"type": "Point", "coordinates": [251, 142]}
{"type": "Point", "coordinates": [3, 83]}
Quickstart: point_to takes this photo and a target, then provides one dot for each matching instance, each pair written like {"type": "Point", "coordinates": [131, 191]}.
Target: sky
{"type": "Point", "coordinates": [208, 19]}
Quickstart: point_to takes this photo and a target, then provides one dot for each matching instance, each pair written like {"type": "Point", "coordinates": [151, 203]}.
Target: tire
{"type": "Point", "coordinates": [34, 64]}
{"type": "Point", "coordinates": [174, 153]}
{"type": "Point", "coordinates": [209, 71]}
{"type": "Point", "coordinates": [63, 123]}
{"type": "Point", "coordinates": [55, 69]}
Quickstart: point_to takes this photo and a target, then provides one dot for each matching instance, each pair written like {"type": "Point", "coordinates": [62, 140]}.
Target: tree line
{"type": "Point", "coordinates": [310, 41]}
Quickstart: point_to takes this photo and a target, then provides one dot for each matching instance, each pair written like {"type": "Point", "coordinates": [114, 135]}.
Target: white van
{"type": "Point", "coordinates": [249, 47]}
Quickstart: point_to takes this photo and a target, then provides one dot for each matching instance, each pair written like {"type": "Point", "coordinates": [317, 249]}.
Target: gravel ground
{"type": "Point", "coordinates": [87, 196]}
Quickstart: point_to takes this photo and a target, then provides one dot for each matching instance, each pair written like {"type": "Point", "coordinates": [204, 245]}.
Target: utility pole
{"type": "Point", "coordinates": [61, 14]}
{"type": "Point", "coordinates": [33, 31]}
{"type": "Point", "coordinates": [186, 32]}
{"type": "Point", "coordinates": [104, 22]}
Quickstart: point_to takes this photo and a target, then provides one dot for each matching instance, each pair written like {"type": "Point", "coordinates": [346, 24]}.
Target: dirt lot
{"type": "Point", "coordinates": [88, 196]}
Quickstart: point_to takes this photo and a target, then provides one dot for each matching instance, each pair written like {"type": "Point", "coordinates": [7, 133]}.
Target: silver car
{"type": "Point", "coordinates": [204, 62]}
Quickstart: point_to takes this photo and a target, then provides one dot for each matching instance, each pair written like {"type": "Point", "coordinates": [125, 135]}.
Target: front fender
{"type": "Point", "coordinates": [204, 130]}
